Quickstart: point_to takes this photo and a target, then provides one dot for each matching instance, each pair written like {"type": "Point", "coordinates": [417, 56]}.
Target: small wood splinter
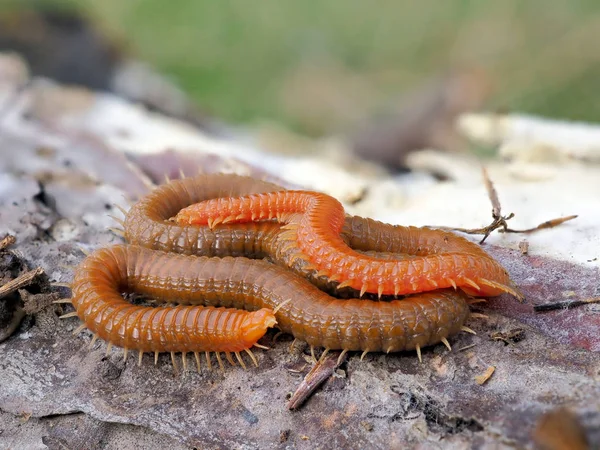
{"type": "Point", "coordinates": [566, 304]}
{"type": "Point", "coordinates": [481, 379]}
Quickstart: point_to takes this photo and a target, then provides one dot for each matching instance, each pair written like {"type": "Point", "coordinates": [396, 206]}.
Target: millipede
{"type": "Point", "coordinates": [248, 265]}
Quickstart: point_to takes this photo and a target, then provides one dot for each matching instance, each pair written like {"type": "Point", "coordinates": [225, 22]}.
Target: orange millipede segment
{"type": "Point", "coordinates": [97, 286]}
{"type": "Point", "coordinates": [320, 219]}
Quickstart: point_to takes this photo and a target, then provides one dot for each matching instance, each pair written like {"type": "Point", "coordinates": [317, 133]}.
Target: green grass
{"type": "Point", "coordinates": [245, 60]}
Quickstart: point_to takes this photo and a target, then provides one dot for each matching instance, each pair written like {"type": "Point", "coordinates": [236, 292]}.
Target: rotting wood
{"type": "Point", "coordinates": [20, 282]}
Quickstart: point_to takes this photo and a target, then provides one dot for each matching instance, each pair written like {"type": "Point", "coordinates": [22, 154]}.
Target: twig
{"type": "Point", "coordinates": [499, 221]}
{"type": "Point", "coordinates": [547, 224]}
{"type": "Point", "coordinates": [6, 241]}
{"type": "Point", "coordinates": [566, 304]}
{"type": "Point", "coordinates": [321, 371]}
{"type": "Point", "coordinates": [20, 282]}
{"type": "Point", "coordinates": [492, 193]}
{"type": "Point", "coordinates": [466, 347]}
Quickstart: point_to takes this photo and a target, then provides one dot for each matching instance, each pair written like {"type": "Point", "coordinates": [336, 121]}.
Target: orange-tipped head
{"type": "Point", "coordinates": [256, 324]}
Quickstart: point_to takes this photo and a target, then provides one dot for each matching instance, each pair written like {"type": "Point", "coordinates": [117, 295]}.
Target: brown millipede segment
{"type": "Point", "coordinates": [246, 285]}
{"type": "Point", "coordinates": [230, 296]}
{"type": "Point", "coordinates": [97, 287]}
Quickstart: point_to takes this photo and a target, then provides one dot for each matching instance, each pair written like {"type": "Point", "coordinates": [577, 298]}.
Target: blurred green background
{"type": "Point", "coordinates": [317, 65]}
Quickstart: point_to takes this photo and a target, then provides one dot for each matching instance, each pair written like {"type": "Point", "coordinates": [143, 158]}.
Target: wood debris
{"type": "Point", "coordinates": [499, 221]}
{"type": "Point", "coordinates": [20, 282]}
{"type": "Point", "coordinates": [566, 304]}
{"type": "Point", "coordinates": [321, 371]}
{"type": "Point", "coordinates": [481, 379]}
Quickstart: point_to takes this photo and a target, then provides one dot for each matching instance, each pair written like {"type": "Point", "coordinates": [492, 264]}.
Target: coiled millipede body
{"type": "Point", "coordinates": [235, 280]}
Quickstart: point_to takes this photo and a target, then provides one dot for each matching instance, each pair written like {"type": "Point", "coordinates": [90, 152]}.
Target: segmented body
{"type": "Point", "coordinates": [246, 285]}
{"type": "Point", "coordinates": [105, 274]}
{"type": "Point", "coordinates": [317, 222]}
{"type": "Point", "coordinates": [225, 277]}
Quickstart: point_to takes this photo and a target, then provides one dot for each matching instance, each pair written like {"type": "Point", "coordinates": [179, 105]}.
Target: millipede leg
{"type": "Point", "coordinates": [208, 363]}
{"type": "Point", "coordinates": [364, 354]}
{"type": "Point", "coordinates": [79, 329]}
{"type": "Point", "coordinates": [472, 283]}
{"type": "Point", "coordinates": [312, 353]}
{"type": "Point", "coordinates": [292, 345]}
{"type": "Point", "coordinates": [93, 341]}
{"type": "Point", "coordinates": [184, 361]}
{"type": "Point", "coordinates": [262, 347]}
{"type": "Point", "coordinates": [240, 360]}
{"type": "Point", "coordinates": [341, 357]}
{"type": "Point", "coordinates": [344, 284]}
{"type": "Point", "coordinates": [140, 354]}
{"type": "Point", "coordinates": [175, 368]}
{"type": "Point", "coordinates": [446, 343]}
{"type": "Point", "coordinates": [230, 359]}
{"type": "Point", "coordinates": [418, 348]}
{"type": "Point", "coordinates": [254, 360]}
{"type": "Point", "coordinates": [476, 300]}
{"type": "Point", "coordinates": [277, 335]}
{"type": "Point", "coordinates": [220, 361]}
{"type": "Point", "coordinates": [117, 231]}
{"type": "Point", "coordinates": [109, 348]}
{"type": "Point", "coordinates": [451, 282]}
{"type": "Point", "coordinates": [323, 355]}
{"type": "Point", "coordinates": [116, 219]}
{"type": "Point", "coordinates": [363, 289]}
{"type": "Point", "coordinates": [66, 316]}
{"type": "Point", "coordinates": [120, 208]}
{"type": "Point", "coordinates": [61, 284]}
{"type": "Point", "coordinates": [125, 353]}
{"type": "Point", "coordinates": [479, 316]}
{"type": "Point", "coordinates": [155, 358]}
{"type": "Point", "coordinates": [197, 357]}
{"type": "Point", "coordinates": [467, 329]}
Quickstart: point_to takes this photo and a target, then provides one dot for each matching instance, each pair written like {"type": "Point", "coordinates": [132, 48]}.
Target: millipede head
{"type": "Point", "coordinates": [255, 326]}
